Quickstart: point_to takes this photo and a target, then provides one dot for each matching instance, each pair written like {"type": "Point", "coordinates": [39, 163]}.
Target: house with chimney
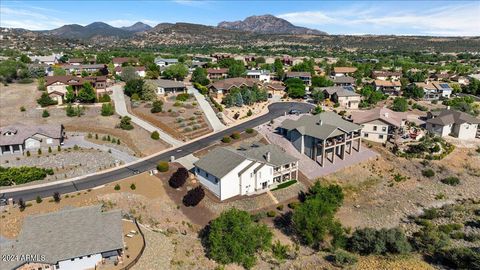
{"type": "Point", "coordinates": [380, 124]}
{"type": "Point", "coordinates": [323, 137]}
{"type": "Point", "coordinates": [223, 87]}
{"type": "Point", "coordinates": [228, 172]}
{"type": "Point", "coordinates": [57, 85]}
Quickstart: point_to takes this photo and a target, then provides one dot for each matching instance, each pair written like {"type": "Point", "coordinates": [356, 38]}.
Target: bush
{"type": "Point", "coordinates": [56, 197]}
{"type": "Point", "coordinates": [293, 205]}
{"type": "Point", "coordinates": [125, 123]}
{"type": "Point", "coordinates": [117, 187]}
{"type": "Point", "coordinates": [448, 228]}
{"type": "Point", "coordinates": [155, 135]}
{"type": "Point", "coordinates": [39, 152]}
{"type": "Point", "coordinates": [104, 98]}
{"type": "Point", "coordinates": [182, 97]}
{"type": "Point", "coordinates": [235, 136]}
{"type": "Point", "coordinates": [157, 106]}
{"type": "Point", "coordinates": [370, 241]}
{"type": "Point", "coordinates": [28, 153]}
{"type": "Point", "coordinates": [249, 130]}
{"type": "Point", "coordinates": [234, 238]}
{"type": "Point", "coordinates": [162, 166]}
{"type": "Point", "coordinates": [49, 149]}
{"type": "Point", "coordinates": [280, 207]}
{"type": "Point", "coordinates": [21, 204]}
{"type": "Point", "coordinates": [429, 240]}
{"type": "Point", "coordinates": [178, 178]}
{"type": "Point", "coordinates": [343, 258]}
{"type": "Point", "coordinates": [133, 186]}
{"type": "Point", "coordinates": [194, 196]}
{"type": "Point", "coordinates": [452, 181]}
{"type": "Point", "coordinates": [45, 114]}
{"type": "Point", "coordinates": [38, 199]}
{"type": "Point", "coordinates": [428, 173]}
{"type": "Point", "coordinates": [226, 139]}
{"type": "Point", "coordinates": [45, 100]}
{"type": "Point", "coordinates": [279, 251]}
{"type": "Point", "coordinates": [460, 258]}
{"type": "Point", "coordinates": [271, 213]}
{"type": "Point", "coordinates": [249, 113]}
{"type": "Point", "coordinates": [22, 175]}
{"type": "Point", "coordinates": [107, 109]}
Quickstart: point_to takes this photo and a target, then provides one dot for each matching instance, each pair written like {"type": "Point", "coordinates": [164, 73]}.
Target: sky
{"type": "Point", "coordinates": [431, 18]}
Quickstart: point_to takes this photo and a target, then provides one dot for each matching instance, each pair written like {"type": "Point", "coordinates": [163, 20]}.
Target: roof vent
{"type": "Point", "coordinates": [267, 156]}
{"type": "Point", "coordinates": [319, 122]}
{"type": "Point", "coordinates": [448, 107]}
{"type": "Point", "coordinates": [386, 114]}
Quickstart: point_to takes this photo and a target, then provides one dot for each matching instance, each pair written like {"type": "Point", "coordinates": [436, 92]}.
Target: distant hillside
{"type": "Point", "coordinates": [137, 27]}
{"type": "Point", "coordinates": [268, 24]}
{"type": "Point", "coordinates": [96, 29]}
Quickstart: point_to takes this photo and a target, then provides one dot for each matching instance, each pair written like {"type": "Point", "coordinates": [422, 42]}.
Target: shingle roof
{"type": "Point", "coordinates": [382, 73]}
{"type": "Point", "coordinates": [226, 84]}
{"type": "Point", "coordinates": [295, 74]}
{"type": "Point", "coordinates": [448, 117]}
{"type": "Point", "coordinates": [222, 160]}
{"type": "Point", "coordinates": [384, 114]}
{"type": "Point", "coordinates": [387, 83]}
{"type": "Point", "coordinates": [73, 80]}
{"type": "Point", "coordinates": [341, 91]}
{"type": "Point", "coordinates": [217, 70]}
{"type": "Point", "coordinates": [168, 83]}
{"type": "Point", "coordinates": [67, 234]}
{"type": "Point", "coordinates": [22, 132]}
{"type": "Point", "coordinates": [344, 79]}
{"type": "Point", "coordinates": [121, 60]}
{"type": "Point", "coordinates": [323, 126]}
{"type": "Point", "coordinates": [344, 69]}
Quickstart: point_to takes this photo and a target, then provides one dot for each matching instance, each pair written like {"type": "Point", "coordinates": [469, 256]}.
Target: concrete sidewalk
{"type": "Point", "coordinates": [121, 109]}
{"type": "Point", "coordinates": [81, 142]}
{"type": "Point", "coordinates": [207, 109]}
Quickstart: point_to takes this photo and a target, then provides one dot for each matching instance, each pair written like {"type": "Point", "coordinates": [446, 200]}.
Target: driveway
{"type": "Point", "coordinates": [81, 142]}
{"type": "Point", "coordinates": [121, 109]}
{"type": "Point", "coordinates": [207, 109]}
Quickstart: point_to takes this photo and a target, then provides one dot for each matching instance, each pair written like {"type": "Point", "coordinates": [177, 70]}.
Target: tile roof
{"type": "Point", "coordinates": [66, 234]}
{"type": "Point", "coordinates": [222, 160]}
{"type": "Point", "coordinates": [384, 114]}
{"type": "Point", "coordinates": [22, 132]}
{"type": "Point", "coordinates": [73, 80]}
{"type": "Point", "coordinates": [448, 117]}
{"type": "Point", "coordinates": [323, 126]}
{"type": "Point", "coordinates": [387, 83]}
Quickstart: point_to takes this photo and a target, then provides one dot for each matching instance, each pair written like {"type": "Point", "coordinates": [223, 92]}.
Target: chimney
{"type": "Point", "coordinates": [267, 156]}
{"type": "Point", "coordinates": [448, 107]}
{"type": "Point", "coordinates": [386, 114]}
{"type": "Point", "coordinates": [319, 122]}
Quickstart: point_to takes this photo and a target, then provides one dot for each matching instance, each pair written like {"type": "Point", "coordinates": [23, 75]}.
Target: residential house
{"type": "Point", "coordinates": [388, 87]}
{"type": "Point", "coordinates": [57, 85]}
{"type": "Point", "coordinates": [139, 70]}
{"type": "Point", "coordinates": [386, 75]}
{"type": "Point", "coordinates": [275, 88]}
{"type": "Point", "coordinates": [458, 124]}
{"type": "Point", "coordinates": [343, 81]}
{"type": "Point", "coordinates": [217, 73]}
{"type": "Point", "coordinates": [261, 75]}
{"type": "Point", "coordinates": [165, 62]}
{"type": "Point", "coordinates": [462, 80]}
{"type": "Point", "coordinates": [323, 135]}
{"type": "Point", "coordinates": [345, 96]}
{"type": "Point", "coordinates": [380, 124]}
{"type": "Point", "coordinates": [287, 60]}
{"type": "Point", "coordinates": [20, 138]}
{"type": "Point", "coordinates": [306, 77]}
{"type": "Point", "coordinates": [435, 90]}
{"type": "Point", "coordinates": [440, 77]}
{"type": "Point", "coordinates": [72, 238]}
{"type": "Point", "coordinates": [343, 71]}
{"type": "Point", "coordinates": [48, 59]}
{"type": "Point", "coordinates": [79, 61]}
{"type": "Point", "coordinates": [169, 86]}
{"type": "Point", "coordinates": [228, 172]}
{"type": "Point", "coordinates": [90, 68]}
{"type": "Point", "coordinates": [223, 87]}
{"type": "Point", "coordinates": [119, 61]}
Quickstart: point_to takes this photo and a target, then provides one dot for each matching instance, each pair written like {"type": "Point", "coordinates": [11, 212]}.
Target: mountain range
{"type": "Point", "coordinates": [265, 24]}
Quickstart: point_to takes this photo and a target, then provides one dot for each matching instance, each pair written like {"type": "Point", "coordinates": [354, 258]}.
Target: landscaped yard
{"type": "Point", "coordinates": [183, 120]}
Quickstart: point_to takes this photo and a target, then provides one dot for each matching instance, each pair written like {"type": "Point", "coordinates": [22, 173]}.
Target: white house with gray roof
{"type": "Point", "coordinates": [164, 62]}
{"type": "Point", "coordinates": [323, 135]}
{"type": "Point", "coordinates": [458, 124]}
{"type": "Point", "coordinates": [229, 172]}
{"type": "Point", "coordinates": [19, 138]}
{"type": "Point", "coordinates": [71, 239]}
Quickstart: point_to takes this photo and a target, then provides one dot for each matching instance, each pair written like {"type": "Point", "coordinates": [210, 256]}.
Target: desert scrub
{"type": "Point", "coordinates": [451, 181]}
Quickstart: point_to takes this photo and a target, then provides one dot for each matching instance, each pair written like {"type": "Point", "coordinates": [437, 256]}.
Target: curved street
{"type": "Point", "coordinates": [275, 110]}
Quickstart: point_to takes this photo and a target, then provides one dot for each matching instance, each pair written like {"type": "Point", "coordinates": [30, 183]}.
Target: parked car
{"type": "Point", "coordinates": [294, 111]}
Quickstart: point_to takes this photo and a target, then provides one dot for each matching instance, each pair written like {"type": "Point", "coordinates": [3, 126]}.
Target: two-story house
{"type": "Point", "coordinates": [451, 122]}
{"type": "Point", "coordinates": [380, 124]}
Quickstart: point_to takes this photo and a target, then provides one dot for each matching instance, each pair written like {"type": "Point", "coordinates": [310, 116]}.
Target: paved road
{"type": "Point", "coordinates": [275, 110]}
{"type": "Point", "coordinates": [121, 109]}
{"type": "Point", "coordinates": [207, 109]}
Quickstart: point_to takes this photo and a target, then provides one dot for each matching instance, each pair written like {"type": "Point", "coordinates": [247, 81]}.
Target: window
{"type": "Point", "coordinates": [206, 175]}
{"type": "Point", "coordinates": [384, 129]}
{"type": "Point", "coordinates": [380, 136]}
{"type": "Point", "coordinates": [365, 135]}
{"type": "Point", "coordinates": [72, 259]}
{"type": "Point", "coordinates": [216, 180]}
{"type": "Point", "coordinates": [374, 128]}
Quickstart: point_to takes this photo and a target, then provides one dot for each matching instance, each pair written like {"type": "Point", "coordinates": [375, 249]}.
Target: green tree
{"type": "Point", "coordinates": [129, 73]}
{"type": "Point", "coordinates": [25, 59]}
{"type": "Point", "coordinates": [45, 114]}
{"type": "Point", "coordinates": [45, 100]}
{"type": "Point", "coordinates": [57, 71]}
{"type": "Point", "coordinates": [400, 104]}
{"type": "Point", "coordinates": [70, 95]}
{"type": "Point", "coordinates": [278, 68]}
{"type": "Point", "coordinates": [295, 88]}
{"type": "Point", "coordinates": [321, 81]}
{"type": "Point", "coordinates": [41, 84]}
{"type": "Point", "coordinates": [317, 96]}
{"type": "Point", "coordinates": [177, 71]}
{"type": "Point", "coordinates": [414, 92]}
{"type": "Point", "coordinates": [103, 58]}
{"type": "Point", "coordinates": [107, 109]}
{"type": "Point", "coordinates": [199, 75]}
{"type": "Point", "coordinates": [234, 238]}
{"type": "Point", "coordinates": [134, 87]}
{"type": "Point", "coordinates": [87, 93]}
{"type": "Point", "coordinates": [236, 70]}
{"type": "Point", "coordinates": [149, 91]}
{"type": "Point", "coordinates": [155, 135]}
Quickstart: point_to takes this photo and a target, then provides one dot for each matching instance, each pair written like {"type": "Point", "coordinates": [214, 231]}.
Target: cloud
{"type": "Point", "coordinates": [28, 19]}
{"type": "Point", "coordinates": [447, 20]}
{"type": "Point", "coordinates": [191, 3]}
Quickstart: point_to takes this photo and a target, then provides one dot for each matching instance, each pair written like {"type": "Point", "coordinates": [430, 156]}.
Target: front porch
{"type": "Point", "coordinates": [338, 146]}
